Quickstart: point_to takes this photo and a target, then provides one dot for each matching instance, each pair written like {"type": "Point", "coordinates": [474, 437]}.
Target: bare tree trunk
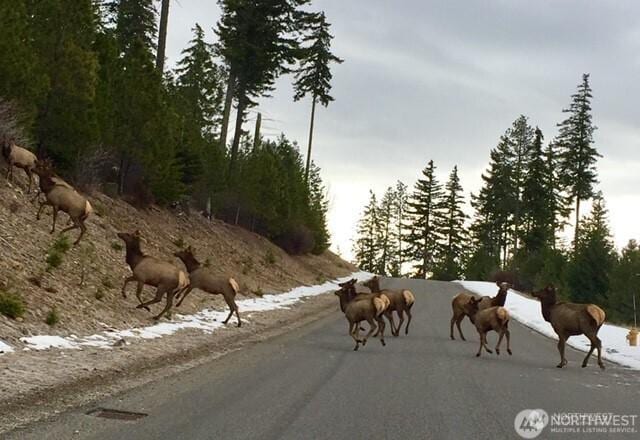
{"type": "Point", "coordinates": [226, 113]}
{"type": "Point", "coordinates": [313, 114]}
{"type": "Point", "coordinates": [162, 36]}
{"type": "Point", "coordinates": [576, 233]}
{"type": "Point", "coordinates": [256, 136]}
{"type": "Point", "coordinates": [235, 146]}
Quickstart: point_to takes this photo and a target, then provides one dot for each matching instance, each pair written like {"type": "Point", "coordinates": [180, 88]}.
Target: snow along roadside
{"type": "Point", "coordinates": [206, 320]}
{"type": "Point", "coordinates": [528, 312]}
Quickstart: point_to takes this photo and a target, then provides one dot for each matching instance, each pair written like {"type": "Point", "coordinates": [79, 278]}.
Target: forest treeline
{"type": "Point", "coordinates": [531, 191]}
{"type": "Point", "coordinates": [87, 84]}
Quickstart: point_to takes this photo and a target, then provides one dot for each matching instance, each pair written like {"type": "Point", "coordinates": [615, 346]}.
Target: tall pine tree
{"type": "Point", "coordinates": [424, 210]}
{"type": "Point", "coordinates": [577, 154]}
{"type": "Point", "coordinates": [365, 247]}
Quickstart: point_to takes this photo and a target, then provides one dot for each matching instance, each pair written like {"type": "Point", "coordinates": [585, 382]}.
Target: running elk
{"type": "Point", "coordinates": [494, 318]}
{"type": "Point", "coordinates": [62, 197]}
{"type": "Point", "coordinates": [362, 307]}
{"type": "Point", "coordinates": [18, 157]}
{"type": "Point", "coordinates": [569, 319]}
{"type": "Point", "coordinates": [165, 277]}
{"type": "Point", "coordinates": [401, 301]}
{"type": "Point", "coordinates": [200, 278]}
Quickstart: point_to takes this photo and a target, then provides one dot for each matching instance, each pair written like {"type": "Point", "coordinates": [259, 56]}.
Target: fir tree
{"type": "Point", "coordinates": [521, 135]}
{"type": "Point", "coordinates": [386, 233]}
{"type": "Point", "coordinates": [424, 210]}
{"type": "Point", "coordinates": [365, 247]}
{"type": "Point", "coordinates": [594, 255]}
{"type": "Point", "coordinates": [577, 154]}
{"type": "Point", "coordinates": [400, 230]}
{"type": "Point", "coordinates": [624, 284]}
{"type": "Point", "coordinates": [314, 76]}
{"type": "Point", "coordinates": [452, 228]}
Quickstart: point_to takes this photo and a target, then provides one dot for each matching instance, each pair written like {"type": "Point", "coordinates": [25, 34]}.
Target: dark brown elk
{"type": "Point", "coordinates": [401, 302]}
{"type": "Point", "coordinates": [570, 319]}
{"type": "Point", "coordinates": [362, 307]}
{"type": "Point", "coordinates": [499, 299]}
{"type": "Point", "coordinates": [63, 198]}
{"type": "Point", "coordinates": [494, 318]}
{"type": "Point", "coordinates": [19, 157]}
{"type": "Point", "coordinates": [200, 278]}
{"type": "Point", "coordinates": [148, 270]}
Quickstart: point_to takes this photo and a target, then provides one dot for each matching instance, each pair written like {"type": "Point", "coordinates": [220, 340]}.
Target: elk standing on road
{"type": "Point", "coordinates": [460, 300]}
{"type": "Point", "coordinates": [165, 277]}
{"type": "Point", "coordinates": [200, 278]}
{"type": "Point", "coordinates": [494, 318]}
{"type": "Point", "coordinates": [362, 307]}
{"type": "Point", "coordinates": [401, 301]}
{"type": "Point", "coordinates": [570, 319]}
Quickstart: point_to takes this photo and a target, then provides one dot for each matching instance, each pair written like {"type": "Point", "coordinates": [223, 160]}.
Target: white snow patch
{"type": "Point", "coordinates": [5, 348]}
{"type": "Point", "coordinates": [526, 310]}
{"type": "Point", "coordinates": [206, 320]}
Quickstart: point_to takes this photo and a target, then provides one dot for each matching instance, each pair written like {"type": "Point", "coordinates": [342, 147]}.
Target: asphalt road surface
{"type": "Point", "coordinates": [309, 384]}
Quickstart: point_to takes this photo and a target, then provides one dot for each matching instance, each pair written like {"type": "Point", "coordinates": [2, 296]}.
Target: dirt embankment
{"type": "Point", "coordinates": [85, 288]}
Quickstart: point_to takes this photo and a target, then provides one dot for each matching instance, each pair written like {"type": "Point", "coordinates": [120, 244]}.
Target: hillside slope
{"type": "Point", "coordinates": [88, 306]}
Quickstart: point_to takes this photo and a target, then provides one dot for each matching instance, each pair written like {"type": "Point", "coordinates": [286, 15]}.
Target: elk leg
{"type": "Point", "coordinates": [233, 307]}
{"type": "Point", "coordinates": [406, 329]}
{"type": "Point", "coordinates": [139, 288]}
{"type": "Point", "coordinates": [184, 295]}
{"type": "Point", "coordinates": [381, 326]}
{"type": "Point", "coordinates": [508, 334]}
{"type": "Point", "coordinates": [124, 286]}
{"type": "Point", "coordinates": [67, 229]}
{"type": "Point", "coordinates": [167, 306]}
{"type": "Point", "coordinates": [9, 173]}
{"type": "Point", "coordinates": [485, 344]}
{"type": "Point", "coordinates": [499, 341]}
{"type": "Point", "coordinates": [561, 341]}
{"type": "Point", "coordinates": [389, 315]}
{"type": "Point", "coordinates": [458, 321]}
{"type": "Point", "coordinates": [453, 320]}
{"type": "Point", "coordinates": [83, 229]}
{"type": "Point", "coordinates": [55, 217]}
{"type": "Point", "coordinates": [371, 330]}
{"type": "Point", "coordinates": [353, 331]}
{"type": "Point", "coordinates": [401, 321]}
{"type": "Point", "coordinates": [160, 291]}
{"type": "Point", "coordinates": [480, 348]}
{"type": "Point", "coordinates": [42, 205]}
{"type": "Point", "coordinates": [599, 347]}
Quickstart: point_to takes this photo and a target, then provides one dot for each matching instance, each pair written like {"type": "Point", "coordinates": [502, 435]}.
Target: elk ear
{"type": "Point", "coordinates": [136, 233]}
{"type": "Point", "coordinates": [498, 283]}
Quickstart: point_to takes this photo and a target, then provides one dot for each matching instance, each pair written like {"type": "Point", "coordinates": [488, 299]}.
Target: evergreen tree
{"type": "Point", "coordinates": [452, 228]}
{"type": "Point", "coordinates": [424, 210]}
{"type": "Point", "coordinates": [318, 205]}
{"type": "Point", "coordinates": [63, 33]}
{"type": "Point", "coordinates": [21, 75]}
{"type": "Point", "coordinates": [521, 135]}
{"type": "Point", "coordinates": [258, 42]}
{"type": "Point", "coordinates": [365, 247]}
{"type": "Point", "coordinates": [593, 259]}
{"type": "Point", "coordinates": [557, 202]}
{"type": "Point", "coordinates": [624, 284]}
{"type": "Point", "coordinates": [314, 76]}
{"type": "Point", "coordinates": [400, 228]}
{"type": "Point", "coordinates": [386, 233]}
{"type": "Point", "coordinates": [577, 154]}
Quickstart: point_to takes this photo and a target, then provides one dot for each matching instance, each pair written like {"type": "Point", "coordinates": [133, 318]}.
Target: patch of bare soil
{"type": "Point", "coordinates": [85, 291]}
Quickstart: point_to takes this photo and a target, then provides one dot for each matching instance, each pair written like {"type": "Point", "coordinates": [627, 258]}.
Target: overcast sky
{"type": "Point", "coordinates": [443, 80]}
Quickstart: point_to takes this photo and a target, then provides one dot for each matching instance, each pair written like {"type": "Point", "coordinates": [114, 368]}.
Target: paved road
{"type": "Point", "coordinates": [309, 384]}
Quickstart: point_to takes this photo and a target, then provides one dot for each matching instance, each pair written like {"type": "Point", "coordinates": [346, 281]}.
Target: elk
{"type": "Point", "coordinates": [570, 319]}
{"type": "Point", "coordinates": [401, 303]}
{"type": "Point", "coordinates": [499, 299]}
{"type": "Point", "coordinates": [201, 279]}
{"type": "Point", "coordinates": [18, 157]}
{"type": "Point", "coordinates": [165, 277]}
{"type": "Point", "coordinates": [494, 318]}
{"type": "Point", "coordinates": [63, 198]}
{"type": "Point", "coordinates": [362, 307]}
{"type": "Point", "coordinates": [458, 304]}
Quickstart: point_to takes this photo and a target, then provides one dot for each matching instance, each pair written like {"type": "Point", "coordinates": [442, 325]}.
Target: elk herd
{"type": "Point", "coordinates": [359, 302]}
